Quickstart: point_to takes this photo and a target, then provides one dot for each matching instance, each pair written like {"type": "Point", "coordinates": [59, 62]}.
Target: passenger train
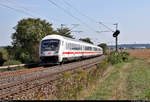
{"type": "Point", "coordinates": [59, 49]}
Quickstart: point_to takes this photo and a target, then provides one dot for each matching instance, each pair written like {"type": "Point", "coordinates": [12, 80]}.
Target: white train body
{"type": "Point", "coordinates": [56, 49]}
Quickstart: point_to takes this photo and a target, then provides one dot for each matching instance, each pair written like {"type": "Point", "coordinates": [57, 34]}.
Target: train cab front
{"type": "Point", "coordinates": [49, 51]}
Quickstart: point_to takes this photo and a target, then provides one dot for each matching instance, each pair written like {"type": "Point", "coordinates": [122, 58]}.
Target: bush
{"type": "Point", "coordinates": [104, 47]}
{"type": "Point", "coordinates": [3, 56]}
{"type": "Point", "coordinates": [69, 85]}
{"type": "Point", "coordinates": [18, 53]}
{"type": "Point", "coordinates": [115, 58]}
{"type": "Point", "coordinates": [12, 62]}
{"type": "Point", "coordinates": [25, 57]}
{"type": "Point", "coordinates": [125, 56]}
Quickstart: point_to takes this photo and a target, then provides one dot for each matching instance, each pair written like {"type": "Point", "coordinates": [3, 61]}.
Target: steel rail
{"type": "Point", "coordinates": [20, 82]}
{"type": "Point", "coordinates": [18, 65]}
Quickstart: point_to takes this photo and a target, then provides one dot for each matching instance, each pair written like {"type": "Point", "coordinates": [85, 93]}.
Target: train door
{"type": "Point", "coordinates": [61, 51]}
{"type": "Point", "coordinates": [67, 49]}
{"type": "Point", "coordinates": [82, 51]}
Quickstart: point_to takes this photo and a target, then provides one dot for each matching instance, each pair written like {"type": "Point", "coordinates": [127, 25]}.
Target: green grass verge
{"type": "Point", "coordinates": [104, 90]}
{"type": "Point", "coordinates": [136, 85]}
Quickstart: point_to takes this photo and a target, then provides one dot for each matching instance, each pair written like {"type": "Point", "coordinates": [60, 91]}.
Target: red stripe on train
{"type": "Point", "coordinates": [79, 52]}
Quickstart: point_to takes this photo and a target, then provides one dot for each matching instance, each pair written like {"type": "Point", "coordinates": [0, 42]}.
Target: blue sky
{"type": "Point", "coordinates": [132, 15]}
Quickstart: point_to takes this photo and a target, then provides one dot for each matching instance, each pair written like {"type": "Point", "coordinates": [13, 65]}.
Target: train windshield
{"type": "Point", "coordinates": [50, 45]}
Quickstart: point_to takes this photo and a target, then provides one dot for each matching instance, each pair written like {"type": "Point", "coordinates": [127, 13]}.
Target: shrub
{"type": "Point", "coordinates": [125, 56]}
{"type": "Point", "coordinates": [69, 85]}
{"type": "Point", "coordinates": [104, 47]}
{"type": "Point", "coordinates": [3, 56]}
{"type": "Point", "coordinates": [115, 58]}
{"type": "Point", "coordinates": [12, 62]}
{"type": "Point", "coordinates": [25, 57]}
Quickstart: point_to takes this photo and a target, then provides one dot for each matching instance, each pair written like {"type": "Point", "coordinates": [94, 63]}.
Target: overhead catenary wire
{"type": "Point", "coordinates": [22, 9]}
{"type": "Point", "coordinates": [106, 26]}
{"type": "Point", "coordinates": [70, 5]}
{"type": "Point", "coordinates": [17, 10]}
{"type": "Point", "coordinates": [11, 1]}
{"type": "Point", "coordinates": [70, 14]}
{"type": "Point", "coordinates": [89, 18]}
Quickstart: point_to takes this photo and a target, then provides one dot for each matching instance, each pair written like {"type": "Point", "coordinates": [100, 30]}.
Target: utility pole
{"type": "Point", "coordinates": [116, 38]}
{"type": "Point", "coordinates": [115, 33]}
{"type": "Point", "coordinates": [62, 26]}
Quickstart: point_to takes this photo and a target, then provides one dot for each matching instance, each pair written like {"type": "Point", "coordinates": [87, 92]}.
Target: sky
{"type": "Point", "coordinates": [132, 16]}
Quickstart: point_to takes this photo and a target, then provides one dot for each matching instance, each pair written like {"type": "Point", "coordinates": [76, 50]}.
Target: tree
{"type": "Point", "coordinates": [28, 34]}
{"type": "Point", "coordinates": [64, 31]}
{"type": "Point", "coordinates": [104, 47]}
{"type": "Point", "coordinates": [3, 56]}
{"type": "Point", "coordinates": [88, 40]}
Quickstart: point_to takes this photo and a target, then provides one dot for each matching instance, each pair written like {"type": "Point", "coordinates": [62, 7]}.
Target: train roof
{"type": "Point", "coordinates": [54, 36]}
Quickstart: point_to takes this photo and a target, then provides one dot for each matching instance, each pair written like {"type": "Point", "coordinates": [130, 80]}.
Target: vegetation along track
{"type": "Point", "coordinates": [26, 81]}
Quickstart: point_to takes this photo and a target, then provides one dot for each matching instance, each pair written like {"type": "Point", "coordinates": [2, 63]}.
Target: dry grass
{"type": "Point", "coordinates": [92, 87]}
{"type": "Point", "coordinates": [141, 53]}
{"type": "Point", "coordinates": [130, 81]}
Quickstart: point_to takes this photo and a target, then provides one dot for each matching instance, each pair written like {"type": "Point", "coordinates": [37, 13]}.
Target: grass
{"type": "Point", "coordinates": [103, 92]}
{"type": "Point", "coordinates": [129, 81]}
{"type": "Point", "coordinates": [138, 80]}
{"type": "Point", "coordinates": [12, 69]}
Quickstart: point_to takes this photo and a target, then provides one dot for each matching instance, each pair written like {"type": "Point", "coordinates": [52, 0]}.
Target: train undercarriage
{"type": "Point", "coordinates": [55, 60]}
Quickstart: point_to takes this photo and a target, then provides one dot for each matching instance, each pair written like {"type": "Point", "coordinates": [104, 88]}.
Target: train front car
{"type": "Point", "coordinates": [49, 50]}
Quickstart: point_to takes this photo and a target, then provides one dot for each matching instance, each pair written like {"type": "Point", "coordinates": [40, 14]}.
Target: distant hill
{"type": "Point", "coordinates": [130, 46]}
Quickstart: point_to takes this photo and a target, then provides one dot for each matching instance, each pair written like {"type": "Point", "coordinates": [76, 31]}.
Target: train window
{"type": "Point", "coordinates": [50, 45]}
{"type": "Point", "coordinates": [86, 48]}
{"type": "Point", "coordinates": [94, 49]}
{"type": "Point", "coordinates": [90, 48]}
{"type": "Point", "coordinates": [80, 47]}
{"type": "Point", "coordinates": [70, 46]}
{"type": "Point", "coordinates": [76, 47]}
{"type": "Point", "coordinates": [67, 47]}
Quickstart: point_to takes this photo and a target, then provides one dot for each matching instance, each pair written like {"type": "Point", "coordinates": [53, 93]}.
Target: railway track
{"type": "Point", "coordinates": [30, 80]}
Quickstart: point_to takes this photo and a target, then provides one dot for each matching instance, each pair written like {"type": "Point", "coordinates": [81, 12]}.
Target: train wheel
{"type": "Point", "coordinates": [61, 63]}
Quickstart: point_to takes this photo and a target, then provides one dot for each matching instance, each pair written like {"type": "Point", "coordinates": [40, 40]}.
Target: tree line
{"type": "Point", "coordinates": [26, 40]}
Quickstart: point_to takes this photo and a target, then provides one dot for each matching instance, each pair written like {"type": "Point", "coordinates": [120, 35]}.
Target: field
{"type": "Point", "coordinates": [141, 53]}
{"type": "Point", "coordinates": [126, 81]}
